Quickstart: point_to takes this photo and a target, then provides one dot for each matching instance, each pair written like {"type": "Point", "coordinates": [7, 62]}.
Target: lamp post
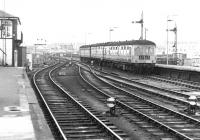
{"type": "Point", "coordinates": [110, 30]}
{"type": "Point", "coordinates": [71, 51]}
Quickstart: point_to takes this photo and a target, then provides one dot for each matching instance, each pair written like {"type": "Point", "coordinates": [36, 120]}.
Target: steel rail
{"type": "Point", "coordinates": [149, 118]}
{"type": "Point", "coordinates": [189, 84]}
{"type": "Point", "coordinates": [46, 105]}
{"type": "Point", "coordinates": [150, 86]}
{"type": "Point", "coordinates": [100, 123]}
{"type": "Point", "coordinates": [111, 132]}
{"type": "Point", "coordinates": [181, 101]}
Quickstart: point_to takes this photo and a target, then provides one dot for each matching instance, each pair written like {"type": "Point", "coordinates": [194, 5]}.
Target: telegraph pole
{"type": "Point", "coordinates": [175, 43]}
{"type": "Point", "coordinates": [145, 33]}
{"type": "Point", "coordinates": [169, 20]}
{"type": "Point", "coordinates": [141, 21]}
{"type": "Point", "coordinates": [111, 29]}
{"type": "Point", "coordinates": [39, 44]}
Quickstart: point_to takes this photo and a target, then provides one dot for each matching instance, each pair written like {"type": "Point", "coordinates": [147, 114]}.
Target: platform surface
{"type": "Point", "coordinates": [177, 67]}
{"type": "Point", "coordinates": [20, 115]}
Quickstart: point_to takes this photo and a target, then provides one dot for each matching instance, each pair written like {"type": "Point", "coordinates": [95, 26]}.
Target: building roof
{"type": "Point", "coordinates": [4, 15]}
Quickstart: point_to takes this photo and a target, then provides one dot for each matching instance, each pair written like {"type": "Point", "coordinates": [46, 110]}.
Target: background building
{"type": "Point", "coordinates": [10, 39]}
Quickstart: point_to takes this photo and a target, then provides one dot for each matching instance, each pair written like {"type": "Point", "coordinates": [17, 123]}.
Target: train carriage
{"type": "Point", "coordinates": [85, 53]}
{"type": "Point", "coordinates": [136, 55]}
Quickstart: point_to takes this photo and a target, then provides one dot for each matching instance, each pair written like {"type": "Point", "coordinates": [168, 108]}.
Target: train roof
{"type": "Point", "coordinates": [118, 43]}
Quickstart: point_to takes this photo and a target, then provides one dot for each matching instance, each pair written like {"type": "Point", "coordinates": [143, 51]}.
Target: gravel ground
{"type": "Point", "coordinates": [73, 83]}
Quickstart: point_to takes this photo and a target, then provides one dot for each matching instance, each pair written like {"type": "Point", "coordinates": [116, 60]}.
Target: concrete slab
{"type": "Point", "coordinates": [20, 115]}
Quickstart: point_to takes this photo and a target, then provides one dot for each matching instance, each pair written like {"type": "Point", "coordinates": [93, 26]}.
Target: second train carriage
{"type": "Point", "coordinates": [128, 55]}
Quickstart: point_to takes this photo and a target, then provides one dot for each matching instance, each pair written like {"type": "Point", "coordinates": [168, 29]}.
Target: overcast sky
{"type": "Point", "coordinates": [89, 20]}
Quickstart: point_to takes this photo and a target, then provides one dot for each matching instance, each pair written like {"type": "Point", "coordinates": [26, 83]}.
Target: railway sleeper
{"type": "Point", "coordinates": [89, 136]}
{"type": "Point", "coordinates": [77, 124]}
{"type": "Point", "coordinates": [80, 128]}
{"type": "Point", "coordinates": [86, 131]}
{"type": "Point", "coordinates": [72, 119]}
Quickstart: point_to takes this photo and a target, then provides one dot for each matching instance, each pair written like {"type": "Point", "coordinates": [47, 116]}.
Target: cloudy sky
{"type": "Point", "coordinates": [89, 20]}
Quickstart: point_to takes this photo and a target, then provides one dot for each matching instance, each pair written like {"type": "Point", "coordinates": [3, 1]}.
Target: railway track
{"type": "Point", "coordinates": [70, 117]}
{"type": "Point", "coordinates": [148, 83]}
{"type": "Point", "coordinates": [155, 115]}
{"type": "Point", "coordinates": [181, 87]}
{"type": "Point", "coordinates": [175, 98]}
{"type": "Point", "coordinates": [189, 84]}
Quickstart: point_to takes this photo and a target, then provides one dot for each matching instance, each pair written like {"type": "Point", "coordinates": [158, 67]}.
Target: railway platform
{"type": "Point", "coordinates": [20, 115]}
{"type": "Point", "coordinates": [187, 73]}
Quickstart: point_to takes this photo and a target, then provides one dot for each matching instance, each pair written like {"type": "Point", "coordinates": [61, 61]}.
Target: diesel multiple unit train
{"type": "Point", "coordinates": [134, 55]}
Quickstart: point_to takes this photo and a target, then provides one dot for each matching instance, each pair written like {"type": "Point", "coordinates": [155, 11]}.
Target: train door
{"type": "Point", "coordinates": [90, 52]}
{"type": "Point", "coordinates": [129, 49]}
{"type": "Point", "coordinates": [133, 53]}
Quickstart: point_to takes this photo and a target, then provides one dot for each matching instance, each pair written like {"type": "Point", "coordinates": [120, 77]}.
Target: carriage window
{"type": "Point", "coordinates": [147, 50]}
{"type": "Point", "coordinates": [151, 50]}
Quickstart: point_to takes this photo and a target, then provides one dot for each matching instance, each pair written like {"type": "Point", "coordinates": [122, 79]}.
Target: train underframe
{"type": "Point", "coordinates": [144, 68]}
